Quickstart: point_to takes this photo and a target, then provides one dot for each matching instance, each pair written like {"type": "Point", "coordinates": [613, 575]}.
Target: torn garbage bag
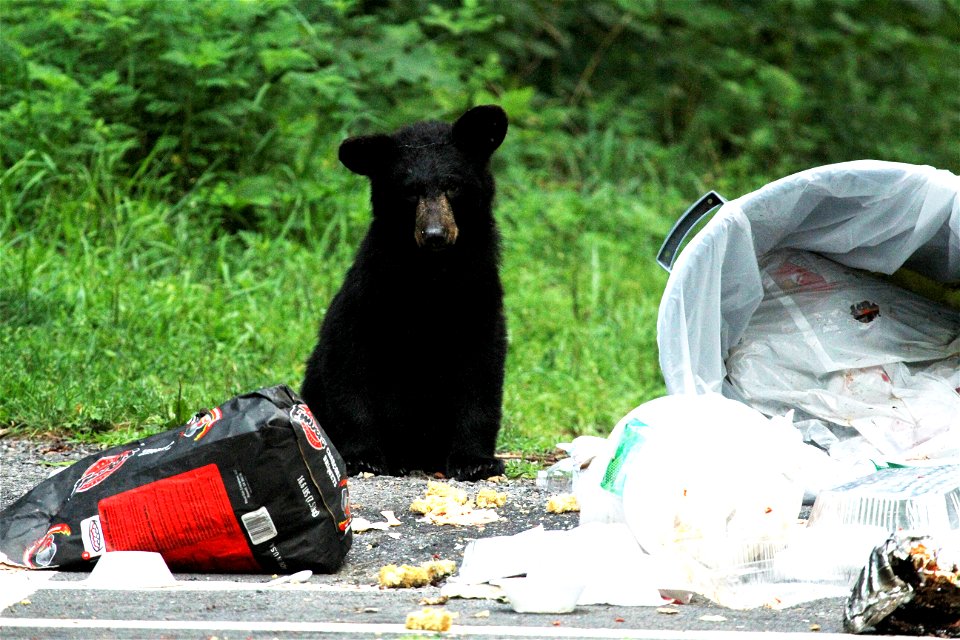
{"type": "Point", "coordinates": [864, 217]}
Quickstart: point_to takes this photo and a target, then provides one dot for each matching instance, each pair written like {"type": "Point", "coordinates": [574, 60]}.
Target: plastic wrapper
{"type": "Point", "coordinates": [910, 586]}
{"type": "Point", "coordinates": [253, 485]}
{"type": "Point", "coordinates": [867, 359]}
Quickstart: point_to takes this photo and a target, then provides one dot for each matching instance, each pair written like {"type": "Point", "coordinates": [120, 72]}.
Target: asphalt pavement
{"type": "Point", "coordinates": [51, 604]}
{"type": "Point", "coordinates": [61, 606]}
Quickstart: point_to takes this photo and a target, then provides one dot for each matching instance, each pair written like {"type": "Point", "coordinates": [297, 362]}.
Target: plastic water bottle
{"type": "Point", "coordinates": [631, 439]}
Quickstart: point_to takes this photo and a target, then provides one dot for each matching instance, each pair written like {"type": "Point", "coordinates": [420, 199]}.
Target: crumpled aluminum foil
{"type": "Point", "coordinates": [908, 587]}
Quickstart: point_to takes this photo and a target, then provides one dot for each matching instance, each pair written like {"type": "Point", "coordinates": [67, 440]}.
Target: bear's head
{"type": "Point", "coordinates": [432, 177]}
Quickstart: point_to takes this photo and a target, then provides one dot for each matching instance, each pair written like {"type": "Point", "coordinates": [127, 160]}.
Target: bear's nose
{"type": "Point", "coordinates": [434, 237]}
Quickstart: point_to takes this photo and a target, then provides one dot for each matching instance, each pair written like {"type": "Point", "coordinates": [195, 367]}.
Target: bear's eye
{"type": "Point", "coordinates": [453, 191]}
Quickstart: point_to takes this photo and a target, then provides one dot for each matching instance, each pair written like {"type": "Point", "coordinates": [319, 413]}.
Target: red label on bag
{"type": "Point", "coordinates": [101, 470]}
{"type": "Point", "coordinates": [187, 518]}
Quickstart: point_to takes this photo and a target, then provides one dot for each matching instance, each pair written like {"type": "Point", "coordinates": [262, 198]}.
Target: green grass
{"type": "Point", "coordinates": [121, 315]}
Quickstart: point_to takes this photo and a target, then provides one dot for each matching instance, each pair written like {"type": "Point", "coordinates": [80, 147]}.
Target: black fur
{"type": "Point", "coordinates": [408, 370]}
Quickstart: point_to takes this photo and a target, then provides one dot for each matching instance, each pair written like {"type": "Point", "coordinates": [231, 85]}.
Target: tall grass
{"type": "Point", "coordinates": [121, 314]}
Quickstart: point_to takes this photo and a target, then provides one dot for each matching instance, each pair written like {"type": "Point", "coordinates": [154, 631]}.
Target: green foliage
{"type": "Point", "coordinates": [778, 85]}
{"type": "Point", "coordinates": [173, 220]}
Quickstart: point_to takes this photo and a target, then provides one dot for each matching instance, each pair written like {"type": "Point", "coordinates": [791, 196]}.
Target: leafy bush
{"type": "Point", "coordinates": [236, 106]}
{"type": "Point", "coordinates": [168, 171]}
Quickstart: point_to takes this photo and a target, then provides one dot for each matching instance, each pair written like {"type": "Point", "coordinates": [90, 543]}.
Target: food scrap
{"type": "Point", "coordinates": [430, 620]}
{"type": "Point", "coordinates": [440, 498]}
{"type": "Point", "coordinates": [406, 576]}
{"type": "Point", "coordinates": [563, 503]}
{"type": "Point", "coordinates": [446, 491]}
{"type": "Point", "coordinates": [490, 499]}
{"type": "Point", "coordinates": [445, 504]}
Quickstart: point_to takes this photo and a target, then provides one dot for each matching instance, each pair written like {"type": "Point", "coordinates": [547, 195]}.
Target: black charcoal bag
{"type": "Point", "coordinates": [253, 485]}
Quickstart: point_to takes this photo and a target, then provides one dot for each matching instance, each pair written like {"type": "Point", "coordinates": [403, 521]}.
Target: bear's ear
{"type": "Point", "coordinates": [367, 155]}
{"type": "Point", "coordinates": [480, 130]}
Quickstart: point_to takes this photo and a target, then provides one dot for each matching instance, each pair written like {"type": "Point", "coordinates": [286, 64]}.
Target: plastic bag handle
{"type": "Point", "coordinates": [684, 225]}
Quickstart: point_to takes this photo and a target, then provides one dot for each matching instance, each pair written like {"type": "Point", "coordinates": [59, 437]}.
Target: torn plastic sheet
{"type": "Point", "coordinates": [873, 368]}
{"type": "Point", "coordinates": [613, 569]}
{"type": "Point", "coordinates": [605, 559]}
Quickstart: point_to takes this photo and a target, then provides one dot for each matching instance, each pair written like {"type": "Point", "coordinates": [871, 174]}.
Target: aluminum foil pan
{"type": "Point", "coordinates": [910, 586]}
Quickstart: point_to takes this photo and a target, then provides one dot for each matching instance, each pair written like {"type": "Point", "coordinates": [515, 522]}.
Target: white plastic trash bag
{"type": "Point", "coordinates": [703, 466]}
{"type": "Point", "coordinates": [867, 215]}
{"type": "Point", "coordinates": [710, 488]}
{"type": "Point", "coordinates": [877, 363]}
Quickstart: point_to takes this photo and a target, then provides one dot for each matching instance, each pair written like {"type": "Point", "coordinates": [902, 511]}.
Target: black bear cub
{"type": "Point", "coordinates": [408, 371]}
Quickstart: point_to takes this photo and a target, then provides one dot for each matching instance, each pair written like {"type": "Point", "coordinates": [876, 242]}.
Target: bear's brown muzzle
{"type": "Point", "coordinates": [435, 226]}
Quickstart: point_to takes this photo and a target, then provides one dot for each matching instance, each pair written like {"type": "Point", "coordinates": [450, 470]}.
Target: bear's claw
{"type": "Point", "coordinates": [475, 468]}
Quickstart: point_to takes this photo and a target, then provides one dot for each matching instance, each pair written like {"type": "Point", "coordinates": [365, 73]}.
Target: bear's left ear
{"type": "Point", "coordinates": [367, 155]}
{"type": "Point", "coordinates": [480, 130]}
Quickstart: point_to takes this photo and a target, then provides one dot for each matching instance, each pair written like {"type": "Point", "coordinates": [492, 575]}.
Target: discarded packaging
{"type": "Point", "coordinates": [871, 216]}
{"type": "Point", "coordinates": [253, 485]}
{"type": "Point", "coordinates": [715, 515]}
{"type": "Point", "coordinates": [528, 595]}
{"type": "Point", "coordinates": [563, 475]}
{"type": "Point", "coordinates": [848, 521]}
{"type": "Point", "coordinates": [468, 591]}
{"type": "Point", "coordinates": [360, 525]}
{"type": "Point", "coordinates": [694, 496]}
{"type": "Point", "coordinates": [558, 477]}
{"type": "Point", "coordinates": [827, 555]}
{"type": "Point", "coordinates": [300, 577]}
{"type": "Point", "coordinates": [486, 559]}
{"type": "Point", "coordinates": [910, 586]}
{"type": "Point", "coordinates": [874, 364]}
{"type": "Point", "coordinates": [913, 498]}
{"type": "Point", "coordinates": [128, 570]}
{"type": "Point", "coordinates": [604, 559]}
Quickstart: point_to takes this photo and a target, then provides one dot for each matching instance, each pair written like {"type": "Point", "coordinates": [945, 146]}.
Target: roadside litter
{"type": "Point", "coordinates": [910, 586]}
{"type": "Point", "coordinates": [784, 301]}
{"type": "Point", "coordinates": [673, 504]}
{"type": "Point", "coordinates": [444, 504]}
{"type": "Point", "coordinates": [253, 485]}
{"type": "Point", "coordinates": [591, 564]}
{"type": "Point", "coordinates": [788, 301]}
{"type": "Point", "coordinates": [429, 619]}
{"type": "Point", "coordinates": [131, 570]}
{"type": "Point", "coordinates": [405, 576]}
{"type": "Point", "coordinates": [361, 525]}
{"type": "Point", "coordinates": [871, 369]}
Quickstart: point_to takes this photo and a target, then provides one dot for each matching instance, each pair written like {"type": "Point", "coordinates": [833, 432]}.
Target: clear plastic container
{"type": "Point", "coordinates": [925, 499]}
{"type": "Point", "coordinates": [745, 573]}
{"type": "Point", "coordinates": [558, 478]}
